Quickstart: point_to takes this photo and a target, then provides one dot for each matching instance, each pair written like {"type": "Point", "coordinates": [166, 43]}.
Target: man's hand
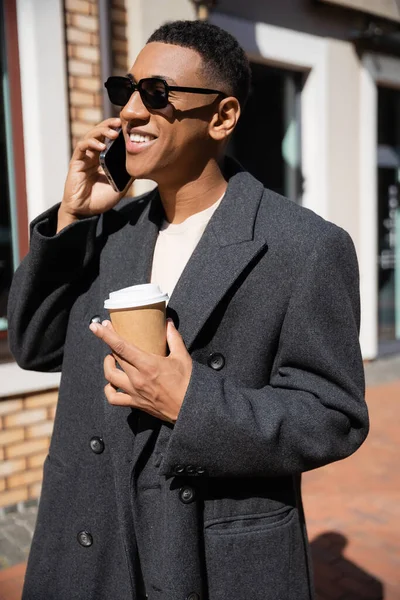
{"type": "Point", "coordinates": [152, 383]}
{"type": "Point", "coordinates": [87, 191]}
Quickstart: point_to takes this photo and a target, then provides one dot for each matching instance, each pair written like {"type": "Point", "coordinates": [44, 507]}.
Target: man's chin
{"type": "Point", "coordinates": [140, 170]}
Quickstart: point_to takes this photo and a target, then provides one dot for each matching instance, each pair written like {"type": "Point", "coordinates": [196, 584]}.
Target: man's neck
{"type": "Point", "coordinates": [187, 198]}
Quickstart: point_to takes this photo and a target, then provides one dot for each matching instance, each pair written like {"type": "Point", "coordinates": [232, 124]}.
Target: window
{"type": "Point", "coordinates": [267, 139]}
{"type": "Point", "coordinates": [13, 213]}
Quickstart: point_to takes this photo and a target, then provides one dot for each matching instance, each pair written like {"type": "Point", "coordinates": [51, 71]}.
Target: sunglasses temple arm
{"type": "Point", "coordinates": [195, 90]}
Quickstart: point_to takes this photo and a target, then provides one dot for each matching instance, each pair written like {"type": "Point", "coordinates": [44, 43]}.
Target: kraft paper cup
{"type": "Point", "coordinates": [138, 315]}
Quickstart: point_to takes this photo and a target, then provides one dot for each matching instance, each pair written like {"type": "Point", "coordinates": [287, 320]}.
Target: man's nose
{"type": "Point", "coordinates": [134, 109]}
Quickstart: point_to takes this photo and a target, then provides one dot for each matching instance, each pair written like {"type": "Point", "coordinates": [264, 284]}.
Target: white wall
{"type": "Point", "coordinates": [46, 136]}
{"type": "Point", "coordinates": [343, 80]}
{"type": "Point", "coordinates": [44, 101]}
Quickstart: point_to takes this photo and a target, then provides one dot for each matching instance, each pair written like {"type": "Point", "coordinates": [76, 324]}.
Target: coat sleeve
{"type": "Point", "coordinates": [44, 288]}
{"type": "Point", "coordinates": [312, 412]}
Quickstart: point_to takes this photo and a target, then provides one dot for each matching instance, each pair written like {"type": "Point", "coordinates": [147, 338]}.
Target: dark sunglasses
{"type": "Point", "coordinates": [153, 91]}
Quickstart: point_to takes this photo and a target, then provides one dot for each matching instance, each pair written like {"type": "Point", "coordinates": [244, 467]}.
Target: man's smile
{"type": "Point", "coordinates": [138, 140]}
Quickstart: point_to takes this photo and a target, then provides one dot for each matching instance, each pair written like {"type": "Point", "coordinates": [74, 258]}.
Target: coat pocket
{"type": "Point", "coordinates": [251, 556]}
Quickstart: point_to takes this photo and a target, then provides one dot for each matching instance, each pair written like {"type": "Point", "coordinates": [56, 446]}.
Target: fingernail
{"type": "Point", "coordinates": [169, 320]}
{"type": "Point", "coordinates": [93, 327]}
{"type": "Point", "coordinates": [106, 323]}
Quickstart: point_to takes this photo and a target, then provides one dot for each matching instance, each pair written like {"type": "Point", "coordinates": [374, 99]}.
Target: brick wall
{"type": "Point", "coordinates": [119, 42]}
{"type": "Point", "coordinates": [26, 424]}
{"type": "Point", "coordinates": [83, 60]}
{"type": "Point", "coordinates": [83, 66]}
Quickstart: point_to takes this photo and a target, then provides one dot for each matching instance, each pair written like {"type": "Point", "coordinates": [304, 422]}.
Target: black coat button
{"type": "Point", "coordinates": [193, 596]}
{"type": "Point", "coordinates": [178, 469]}
{"type": "Point", "coordinates": [200, 471]}
{"type": "Point", "coordinates": [95, 319]}
{"type": "Point", "coordinates": [216, 361]}
{"type": "Point", "coordinates": [190, 470]}
{"type": "Point", "coordinates": [97, 445]}
{"type": "Point", "coordinates": [85, 539]}
{"type": "Point", "coordinates": [187, 495]}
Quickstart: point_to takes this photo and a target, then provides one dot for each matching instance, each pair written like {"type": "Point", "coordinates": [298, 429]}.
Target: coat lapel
{"type": "Point", "coordinates": [130, 246]}
{"type": "Point", "coordinates": [126, 260]}
{"type": "Point", "coordinates": [226, 248]}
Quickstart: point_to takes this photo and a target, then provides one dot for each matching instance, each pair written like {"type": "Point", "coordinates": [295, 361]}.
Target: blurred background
{"type": "Point", "coordinates": [322, 126]}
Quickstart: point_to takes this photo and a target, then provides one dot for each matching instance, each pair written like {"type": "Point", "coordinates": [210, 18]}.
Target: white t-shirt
{"type": "Point", "coordinates": [174, 247]}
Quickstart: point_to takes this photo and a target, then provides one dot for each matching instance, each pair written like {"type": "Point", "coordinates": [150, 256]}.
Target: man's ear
{"type": "Point", "coordinates": [225, 119]}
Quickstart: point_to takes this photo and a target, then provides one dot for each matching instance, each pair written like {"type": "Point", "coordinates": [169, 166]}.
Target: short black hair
{"type": "Point", "coordinates": [224, 59]}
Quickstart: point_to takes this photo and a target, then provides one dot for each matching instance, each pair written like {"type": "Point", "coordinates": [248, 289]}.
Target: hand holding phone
{"type": "Point", "coordinates": [87, 190]}
{"type": "Point", "coordinates": [112, 160]}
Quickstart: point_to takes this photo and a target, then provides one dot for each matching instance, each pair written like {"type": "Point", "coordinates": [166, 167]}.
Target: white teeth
{"type": "Point", "coordinates": [136, 137]}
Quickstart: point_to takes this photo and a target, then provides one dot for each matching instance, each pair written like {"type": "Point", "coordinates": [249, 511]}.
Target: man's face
{"type": "Point", "coordinates": [179, 141]}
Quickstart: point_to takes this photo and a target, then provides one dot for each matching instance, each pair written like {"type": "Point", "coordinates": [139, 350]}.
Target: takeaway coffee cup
{"type": "Point", "coordinates": [138, 315]}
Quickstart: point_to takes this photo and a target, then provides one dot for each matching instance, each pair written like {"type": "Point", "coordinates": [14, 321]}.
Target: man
{"type": "Point", "coordinates": [180, 479]}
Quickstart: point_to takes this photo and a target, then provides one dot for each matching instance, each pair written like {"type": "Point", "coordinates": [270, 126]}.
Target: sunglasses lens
{"type": "Point", "coordinates": [119, 90]}
{"type": "Point", "coordinates": [154, 93]}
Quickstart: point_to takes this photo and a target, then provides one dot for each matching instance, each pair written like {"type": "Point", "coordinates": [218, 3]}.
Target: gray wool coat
{"type": "Point", "coordinates": [268, 307]}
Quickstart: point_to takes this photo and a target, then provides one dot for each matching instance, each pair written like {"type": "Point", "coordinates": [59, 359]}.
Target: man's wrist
{"type": "Point", "coordinates": [65, 218]}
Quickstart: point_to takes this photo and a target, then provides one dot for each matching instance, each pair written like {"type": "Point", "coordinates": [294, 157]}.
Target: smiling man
{"type": "Point", "coordinates": [178, 477]}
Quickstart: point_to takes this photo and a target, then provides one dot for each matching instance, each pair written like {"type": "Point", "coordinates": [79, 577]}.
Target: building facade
{"type": "Point", "coordinates": [322, 126]}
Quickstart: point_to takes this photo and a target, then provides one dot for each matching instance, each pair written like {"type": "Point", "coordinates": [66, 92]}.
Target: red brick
{"type": "Point", "coordinates": [118, 32]}
{"type": "Point", "coordinates": [8, 436]}
{"type": "Point", "coordinates": [40, 430]}
{"type": "Point", "coordinates": [40, 400]}
{"type": "Point", "coordinates": [78, 98]}
{"type": "Point", "coordinates": [77, 36]}
{"type": "Point", "coordinates": [8, 467]}
{"type": "Point", "coordinates": [10, 406]}
{"type": "Point", "coordinates": [89, 84]}
{"type": "Point", "coordinates": [80, 129]}
{"type": "Point", "coordinates": [79, 6]}
{"type": "Point", "coordinates": [119, 16]}
{"type": "Point", "coordinates": [9, 497]}
{"type": "Point", "coordinates": [79, 68]}
{"type": "Point", "coordinates": [120, 46]}
{"type": "Point", "coordinates": [36, 460]}
{"type": "Point", "coordinates": [25, 478]}
{"type": "Point", "coordinates": [25, 417]}
{"type": "Point", "coordinates": [87, 53]}
{"type": "Point", "coordinates": [85, 23]}
{"type": "Point", "coordinates": [35, 490]}
{"type": "Point", "coordinates": [27, 447]}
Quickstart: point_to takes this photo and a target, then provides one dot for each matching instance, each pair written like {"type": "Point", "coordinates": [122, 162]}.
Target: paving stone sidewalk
{"type": "Point", "coordinates": [352, 510]}
{"type": "Point", "coordinates": [16, 530]}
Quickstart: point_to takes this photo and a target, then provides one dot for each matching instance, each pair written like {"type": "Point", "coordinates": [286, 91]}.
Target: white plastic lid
{"type": "Point", "coordinates": [134, 296]}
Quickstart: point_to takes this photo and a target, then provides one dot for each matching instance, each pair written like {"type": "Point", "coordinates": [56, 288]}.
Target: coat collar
{"type": "Point", "coordinates": [226, 248]}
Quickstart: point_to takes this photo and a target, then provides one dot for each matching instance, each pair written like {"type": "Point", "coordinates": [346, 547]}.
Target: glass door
{"type": "Point", "coordinates": [388, 220]}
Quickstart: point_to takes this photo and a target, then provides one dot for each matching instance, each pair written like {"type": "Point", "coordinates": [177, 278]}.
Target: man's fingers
{"type": "Point", "coordinates": [174, 339]}
{"type": "Point", "coordinates": [121, 399]}
{"type": "Point", "coordinates": [118, 398]}
{"type": "Point", "coordinates": [115, 376]}
{"type": "Point", "coordinates": [118, 345]}
{"type": "Point", "coordinates": [90, 144]}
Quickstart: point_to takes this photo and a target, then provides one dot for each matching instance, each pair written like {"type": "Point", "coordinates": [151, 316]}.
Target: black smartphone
{"type": "Point", "coordinates": [112, 160]}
